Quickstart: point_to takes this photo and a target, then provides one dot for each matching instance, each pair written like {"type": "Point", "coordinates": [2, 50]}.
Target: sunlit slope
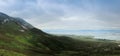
{"type": "Point", "coordinates": [13, 37]}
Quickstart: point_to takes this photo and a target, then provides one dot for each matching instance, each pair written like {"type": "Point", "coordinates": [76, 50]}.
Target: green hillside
{"type": "Point", "coordinates": [16, 40]}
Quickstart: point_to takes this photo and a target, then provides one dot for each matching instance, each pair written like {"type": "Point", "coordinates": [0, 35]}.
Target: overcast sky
{"type": "Point", "coordinates": [65, 14]}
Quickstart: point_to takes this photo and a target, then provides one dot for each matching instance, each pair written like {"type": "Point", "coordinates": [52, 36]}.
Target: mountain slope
{"type": "Point", "coordinates": [19, 38]}
{"type": "Point", "coordinates": [15, 35]}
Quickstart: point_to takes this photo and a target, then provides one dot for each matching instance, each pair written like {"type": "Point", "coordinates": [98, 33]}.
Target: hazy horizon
{"type": "Point", "coordinates": [100, 34]}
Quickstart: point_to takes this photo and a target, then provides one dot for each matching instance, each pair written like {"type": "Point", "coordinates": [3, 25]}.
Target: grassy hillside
{"type": "Point", "coordinates": [17, 41]}
{"type": "Point", "coordinates": [12, 39]}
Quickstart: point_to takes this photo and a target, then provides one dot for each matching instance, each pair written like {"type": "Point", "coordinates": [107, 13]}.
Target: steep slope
{"type": "Point", "coordinates": [19, 38]}
{"type": "Point", "coordinates": [15, 35]}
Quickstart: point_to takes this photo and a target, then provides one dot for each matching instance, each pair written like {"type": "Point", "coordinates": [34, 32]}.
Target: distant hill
{"type": "Point", "coordinates": [19, 38]}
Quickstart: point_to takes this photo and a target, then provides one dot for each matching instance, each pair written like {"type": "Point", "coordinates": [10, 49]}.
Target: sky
{"type": "Point", "coordinates": [65, 14]}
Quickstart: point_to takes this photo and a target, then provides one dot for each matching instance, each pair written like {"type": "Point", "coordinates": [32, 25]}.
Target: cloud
{"type": "Point", "coordinates": [65, 14]}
